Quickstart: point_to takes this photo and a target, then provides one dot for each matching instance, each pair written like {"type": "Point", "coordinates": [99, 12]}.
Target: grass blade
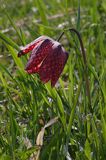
{"type": "Point", "coordinates": [9, 41]}
{"type": "Point", "coordinates": [73, 109]}
{"type": "Point", "coordinates": [42, 10]}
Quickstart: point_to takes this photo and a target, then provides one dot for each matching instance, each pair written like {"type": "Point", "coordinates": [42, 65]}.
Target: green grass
{"type": "Point", "coordinates": [27, 105]}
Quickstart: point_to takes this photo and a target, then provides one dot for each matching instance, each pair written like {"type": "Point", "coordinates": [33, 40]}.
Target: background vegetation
{"type": "Point", "coordinates": [26, 105]}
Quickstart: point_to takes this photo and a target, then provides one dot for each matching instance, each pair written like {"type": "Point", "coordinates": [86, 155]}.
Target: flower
{"type": "Point", "coordinates": [48, 59]}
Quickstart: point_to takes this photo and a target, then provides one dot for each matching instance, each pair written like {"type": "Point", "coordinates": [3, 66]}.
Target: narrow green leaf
{"type": "Point", "coordinates": [9, 41]}
{"type": "Point", "coordinates": [15, 57]}
{"type": "Point", "coordinates": [73, 109]}
{"type": "Point", "coordinates": [14, 26]}
{"type": "Point", "coordinates": [42, 10]}
{"type": "Point", "coordinates": [87, 149]}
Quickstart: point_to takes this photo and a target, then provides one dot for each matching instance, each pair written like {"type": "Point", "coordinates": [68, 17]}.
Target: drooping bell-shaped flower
{"type": "Point", "coordinates": [48, 59]}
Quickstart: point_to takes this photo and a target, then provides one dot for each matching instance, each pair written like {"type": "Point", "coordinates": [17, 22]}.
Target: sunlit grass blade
{"type": "Point", "coordinates": [3, 81]}
{"type": "Point", "coordinates": [14, 26]}
{"type": "Point", "coordinates": [4, 69]}
{"type": "Point", "coordinates": [9, 41]}
{"type": "Point", "coordinates": [73, 109]}
{"type": "Point", "coordinates": [42, 10]}
{"type": "Point", "coordinates": [15, 57]}
{"type": "Point", "coordinates": [54, 94]}
{"type": "Point", "coordinates": [23, 38]}
{"type": "Point", "coordinates": [71, 81]}
{"type": "Point", "coordinates": [87, 150]}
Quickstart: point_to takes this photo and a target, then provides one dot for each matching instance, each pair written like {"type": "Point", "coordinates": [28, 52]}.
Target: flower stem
{"type": "Point", "coordinates": [85, 64]}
